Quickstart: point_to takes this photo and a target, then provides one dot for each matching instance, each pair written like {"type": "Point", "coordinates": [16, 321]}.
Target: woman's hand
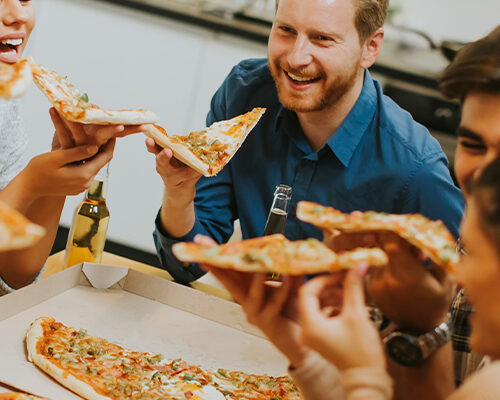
{"type": "Point", "coordinates": [348, 338]}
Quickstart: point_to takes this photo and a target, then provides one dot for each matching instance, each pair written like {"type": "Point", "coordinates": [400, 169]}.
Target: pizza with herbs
{"type": "Point", "coordinates": [96, 369]}
{"type": "Point", "coordinates": [277, 255]}
{"type": "Point", "coordinates": [75, 106]}
{"type": "Point", "coordinates": [208, 150]}
{"type": "Point", "coordinates": [16, 231]}
{"type": "Point", "coordinates": [431, 237]}
{"type": "Point", "coordinates": [15, 78]}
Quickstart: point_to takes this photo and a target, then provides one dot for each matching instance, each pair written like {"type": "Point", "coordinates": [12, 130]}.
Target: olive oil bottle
{"type": "Point", "coordinates": [87, 236]}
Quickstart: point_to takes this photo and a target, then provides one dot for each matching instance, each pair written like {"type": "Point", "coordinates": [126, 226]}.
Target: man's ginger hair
{"type": "Point", "coordinates": [370, 16]}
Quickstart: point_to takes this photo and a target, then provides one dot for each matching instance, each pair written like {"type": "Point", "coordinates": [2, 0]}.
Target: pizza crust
{"type": "Point", "coordinates": [181, 152]}
{"type": "Point", "coordinates": [18, 396]}
{"type": "Point", "coordinates": [35, 333]}
{"type": "Point", "coordinates": [70, 102]}
{"type": "Point", "coordinates": [431, 237]}
{"type": "Point", "coordinates": [233, 131]}
{"type": "Point", "coordinates": [15, 79]}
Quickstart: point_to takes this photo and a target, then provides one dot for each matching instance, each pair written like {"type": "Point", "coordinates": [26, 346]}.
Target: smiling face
{"type": "Point", "coordinates": [17, 21]}
{"type": "Point", "coordinates": [314, 53]}
{"type": "Point", "coordinates": [479, 273]}
{"type": "Point", "coordinates": [478, 135]}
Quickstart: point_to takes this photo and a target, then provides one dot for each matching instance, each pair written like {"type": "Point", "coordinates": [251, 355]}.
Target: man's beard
{"type": "Point", "coordinates": [340, 85]}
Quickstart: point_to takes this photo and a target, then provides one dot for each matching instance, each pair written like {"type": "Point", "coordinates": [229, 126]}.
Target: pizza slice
{"type": "Point", "coordinates": [277, 255]}
{"type": "Point", "coordinates": [75, 106]}
{"type": "Point", "coordinates": [18, 396]}
{"type": "Point", "coordinates": [431, 237]}
{"type": "Point", "coordinates": [15, 79]}
{"type": "Point", "coordinates": [96, 369]}
{"type": "Point", "coordinates": [209, 150]}
{"type": "Point", "coordinates": [16, 231]}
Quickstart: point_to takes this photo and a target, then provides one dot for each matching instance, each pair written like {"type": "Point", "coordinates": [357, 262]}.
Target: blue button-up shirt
{"type": "Point", "coordinates": [378, 159]}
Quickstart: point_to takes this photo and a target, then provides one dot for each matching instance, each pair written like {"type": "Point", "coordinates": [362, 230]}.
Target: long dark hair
{"type": "Point", "coordinates": [476, 67]}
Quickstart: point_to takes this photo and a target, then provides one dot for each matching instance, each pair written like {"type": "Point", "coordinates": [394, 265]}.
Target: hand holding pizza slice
{"type": "Point", "coordinates": [209, 150]}
{"type": "Point", "coordinates": [431, 237]}
{"type": "Point", "coordinates": [278, 255]}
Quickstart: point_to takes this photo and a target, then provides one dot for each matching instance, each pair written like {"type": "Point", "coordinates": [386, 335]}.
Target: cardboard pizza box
{"type": "Point", "coordinates": [138, 311]}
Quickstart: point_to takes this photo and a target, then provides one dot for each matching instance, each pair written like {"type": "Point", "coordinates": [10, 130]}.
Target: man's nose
{"type": "Point", "coordinates": [300, 54]}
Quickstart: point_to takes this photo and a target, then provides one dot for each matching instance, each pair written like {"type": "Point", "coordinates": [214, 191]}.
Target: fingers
{"type": "Point", "coordinates": [354, 295]}
{"type": "Point", "coordinates": [235, 282]}
{"type": "Point", "coordinates": [101, 134]}
{"type": "Point", "coordinates": [256, 295]}
{"type": "Point", "coordinates": [204, 240]}
{"type": "Point", "coordinates": [77, 133]}
{"type": "Point", "coordinates": [173, 172]}
{"type": "Point", "coordinates": [74, 154]}
{"type": "Point", "coordinates": [104, 156]}
{"type": "Point", "coordinates": [152, 147]}
{"type": "Point", "coordinates": [309, 299]}
{"type": "Point", "coordinates": [62, 134]}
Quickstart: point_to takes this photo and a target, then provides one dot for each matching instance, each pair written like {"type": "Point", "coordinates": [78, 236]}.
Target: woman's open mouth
{"type": "Point", "coordinates": [10, 50]}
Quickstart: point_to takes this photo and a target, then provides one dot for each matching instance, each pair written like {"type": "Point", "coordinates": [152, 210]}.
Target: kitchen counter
{"type": "Point", "coordinates": [397, 61]}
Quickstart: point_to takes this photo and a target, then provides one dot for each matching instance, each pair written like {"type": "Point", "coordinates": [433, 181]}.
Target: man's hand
{"type": "Point", "coordinates": [267, 305]}
{"type": "Point", "coordinates": [179, 179]}
{"type": "Point", "coordinates": [347, 339]}
{"type": "Point", "coordinates": [411, 291]}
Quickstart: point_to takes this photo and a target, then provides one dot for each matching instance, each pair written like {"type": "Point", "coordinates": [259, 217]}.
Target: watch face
{"type": "Point", "coordinates": [404, 350]}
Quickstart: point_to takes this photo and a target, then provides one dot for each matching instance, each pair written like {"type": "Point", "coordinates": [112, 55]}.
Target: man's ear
{"type": "Point", "coordinates": [371, 48]}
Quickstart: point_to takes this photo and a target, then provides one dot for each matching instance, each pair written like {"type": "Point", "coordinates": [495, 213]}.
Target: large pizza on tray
{"type": "Point", "coordinates": [208, 150]}
{"type": "Point", "coordinates": [96, 369]}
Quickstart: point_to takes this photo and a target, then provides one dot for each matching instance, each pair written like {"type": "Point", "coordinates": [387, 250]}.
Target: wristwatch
{"type": "Point", "coordinates": [410, 350]}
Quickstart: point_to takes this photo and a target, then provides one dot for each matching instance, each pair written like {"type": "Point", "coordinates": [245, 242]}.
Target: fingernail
{"type": "Point", "coordinates": [121, 128]}
{"type": "Point", "coordinates": [92, 149]}
{"type": "Point", "coordinates": [362, 269]}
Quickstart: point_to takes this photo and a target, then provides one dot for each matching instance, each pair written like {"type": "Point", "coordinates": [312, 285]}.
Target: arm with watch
{"type": "Point", "coordinates": [415, 296]}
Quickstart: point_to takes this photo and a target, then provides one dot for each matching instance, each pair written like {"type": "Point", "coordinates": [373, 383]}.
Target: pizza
{"type": "Point", "coordinates": [431, 237]}
{"type": "Point", "coordinates": [15, 79]}
{"type": "Point", "coordinates": [208, 150]}
{"type": "Point", "coordinates": [18, 396]}
{"type": "Point", "coordinates": [75, 106]}
{"type": "Point", "coordinates": [96, 369]}
{"type": "Point", "coordinates": [276, 254]}
{"type": "Point", "coordinates": [16, 231]}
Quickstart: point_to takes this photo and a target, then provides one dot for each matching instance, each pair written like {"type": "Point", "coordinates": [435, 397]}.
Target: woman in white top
{"type": "Point", "coordinates": [38, 188]}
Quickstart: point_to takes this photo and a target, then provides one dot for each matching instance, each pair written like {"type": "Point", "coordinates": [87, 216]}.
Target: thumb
{"type": "Point", "coordinates": [74, 154]}
{"type": "Point", "coordinates": [354, 296]}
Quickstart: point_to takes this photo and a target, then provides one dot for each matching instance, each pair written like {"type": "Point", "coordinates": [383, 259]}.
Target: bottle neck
{"type": "Point", "coordinates": [280, 202]}
{"type": "Point", "coordinates": [97, 191]}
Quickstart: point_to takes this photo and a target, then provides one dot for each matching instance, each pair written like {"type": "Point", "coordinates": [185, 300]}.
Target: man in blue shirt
{"type": "Point", "coordinates": [328, 132]}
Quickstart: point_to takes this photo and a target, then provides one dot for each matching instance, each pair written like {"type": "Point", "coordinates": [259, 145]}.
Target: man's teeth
{"type": "Point", "coordinates": [12, 42]}
{"type": "Point", "coordinates": [300, 78]}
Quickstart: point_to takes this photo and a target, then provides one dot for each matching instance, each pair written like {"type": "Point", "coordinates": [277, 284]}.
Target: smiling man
{"type": "Point", "coordinates": [328, 132]}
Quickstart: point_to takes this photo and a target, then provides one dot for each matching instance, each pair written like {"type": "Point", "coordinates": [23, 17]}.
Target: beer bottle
{"type": "Point", "coordinates": [88, 232]}
{"type": "Point", "coordinates": [276, 220]}
{"type": "Point", "coordinates": [278, 214]}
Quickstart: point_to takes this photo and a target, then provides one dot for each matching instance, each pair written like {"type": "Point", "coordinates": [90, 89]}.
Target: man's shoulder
{"type": "Point", "coordinates": [251, 75]}
{"type": "Point", "coordinates": [398, 125]}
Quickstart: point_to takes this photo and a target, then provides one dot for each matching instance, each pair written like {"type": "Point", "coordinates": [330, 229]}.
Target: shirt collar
{"type": "Point", "coordinates": [349, 134]}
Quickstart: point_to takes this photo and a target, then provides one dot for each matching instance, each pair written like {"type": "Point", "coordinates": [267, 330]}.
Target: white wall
{"type": "Point", "coordinates": [462, 20]}
{"type": "Point", "coordinates": [123, 59]}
